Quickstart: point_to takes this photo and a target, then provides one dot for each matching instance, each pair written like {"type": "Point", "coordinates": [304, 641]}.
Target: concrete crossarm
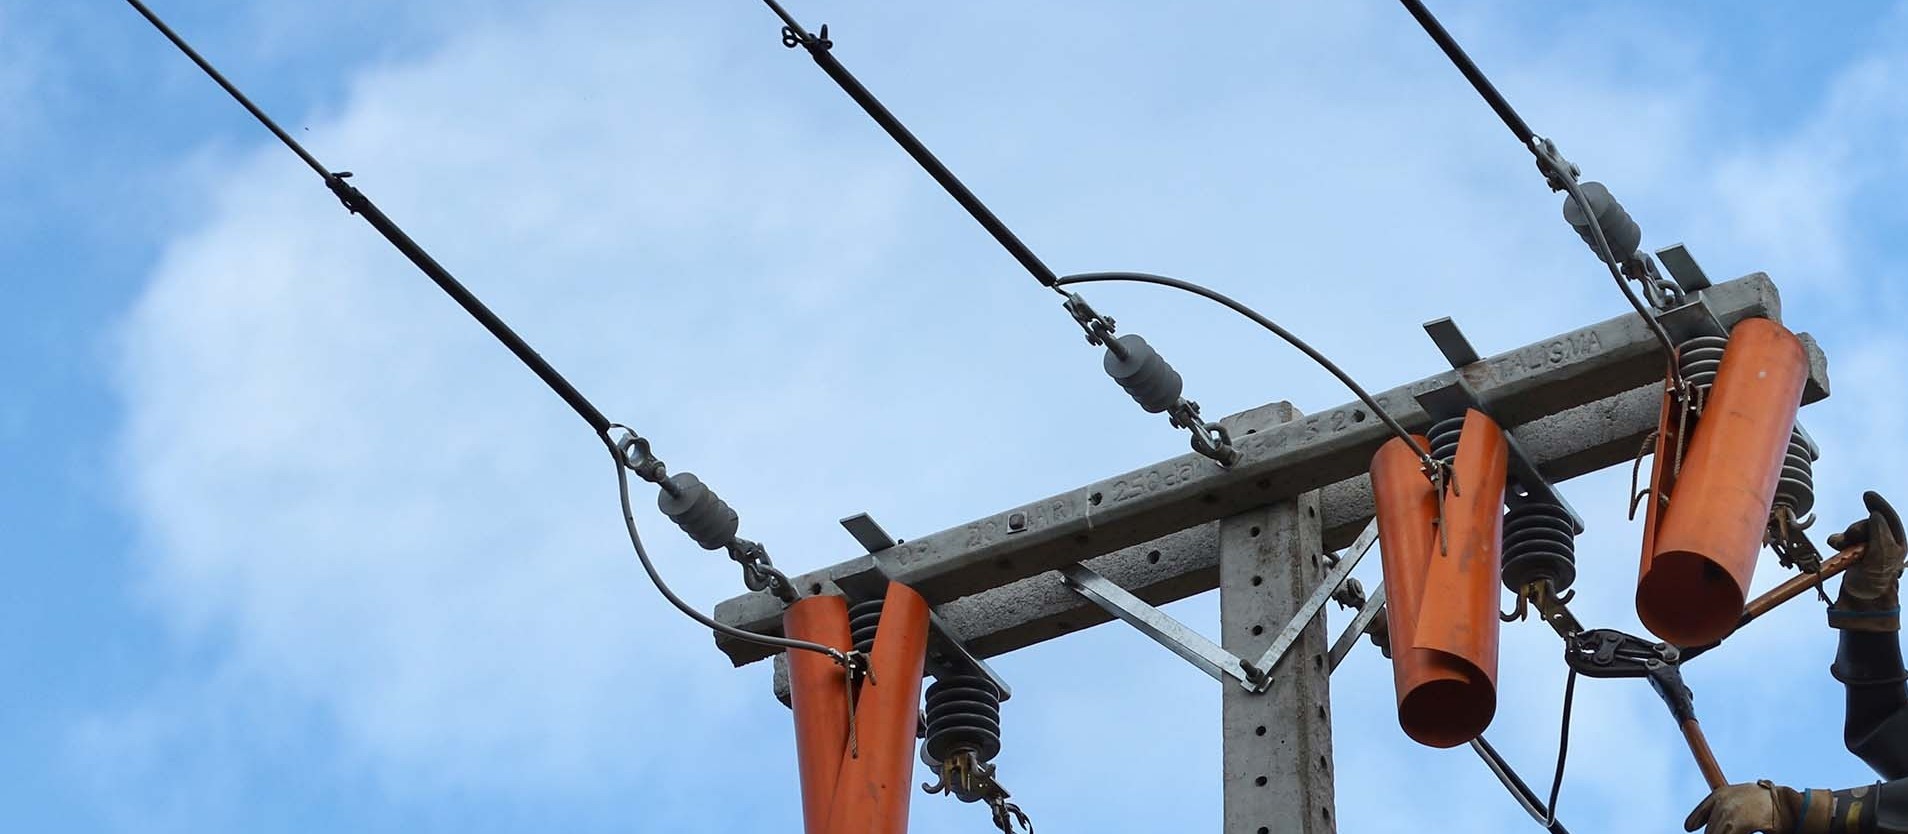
{"type": "Point", "coordinates": [1578, 402]}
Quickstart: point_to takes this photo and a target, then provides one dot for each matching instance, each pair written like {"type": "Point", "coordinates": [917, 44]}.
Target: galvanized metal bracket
{"type": "Point", "coordinates": [1683, 268]}
{"type": "Point", "coordinates": [1181, 640]}
{"type": "Point", "coordinates": [1195, 648]}
{"type": "Point", "coordinates": [947, 653]}
{"type": "Point", "coordinates": [1347, 560]}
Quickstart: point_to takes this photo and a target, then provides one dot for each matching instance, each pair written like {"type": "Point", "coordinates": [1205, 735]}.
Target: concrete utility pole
{"type": "Point", "coordinates": [1278, 744]}
{"type": "Point", "coordinates": [1258, 531]}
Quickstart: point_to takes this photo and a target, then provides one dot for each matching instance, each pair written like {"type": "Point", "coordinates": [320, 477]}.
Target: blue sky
{"type": "Point", "coordinates": [295, 548]}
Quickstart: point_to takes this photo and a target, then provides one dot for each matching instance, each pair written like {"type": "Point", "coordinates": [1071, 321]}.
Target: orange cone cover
{"type": "Point", "coordinates": [1442, 607]}
{"type": "Point", "coordinates": [1701, 554]}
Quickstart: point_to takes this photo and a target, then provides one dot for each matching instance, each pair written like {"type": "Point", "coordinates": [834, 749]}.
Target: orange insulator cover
{"type": "Point", "coordinates": [871, 795]}
{"type": "Point", "coordinates": [1700, 546]}
{"type": "Point", "coordinates": [818, 695]}
{"type": "Point", "coordinates": [1442, 594]}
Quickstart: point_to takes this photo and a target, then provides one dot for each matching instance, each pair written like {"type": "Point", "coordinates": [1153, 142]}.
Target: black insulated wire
{"type": "Point", "coordinates": [359, 204]}
{"type": "Point", "coordinates": [1519, 790]}
{"type": "Point", "coordinates": [820, 49]}
{"type": "Point", "coordinates": [1561, 174]}
{"type": "Point", "coordinates": [1471, 72]}
{"type": "Point", "coordinates": [1563, 749]}
{"type": "Point", "coordinates": [1267, 323]}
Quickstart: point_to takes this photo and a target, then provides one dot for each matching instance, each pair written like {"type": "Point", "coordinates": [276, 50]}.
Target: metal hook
{"type": "Point", "coordinates": [1518, 613]}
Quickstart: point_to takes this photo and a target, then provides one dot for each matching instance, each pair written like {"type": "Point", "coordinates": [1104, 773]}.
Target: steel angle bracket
{"type": "Point", "coordinates": [947, 653]}
{"type": "Point", "coordinates": [1527, 483]}
{"type": "Point", "coordinates": [1347, 560]}
{"type": "Point", "coordinates": [1690, 319]}
{"type": "Point", "coordinates": [1194, 648]}
{"type": "Point", "coordinates": [1176, 636]}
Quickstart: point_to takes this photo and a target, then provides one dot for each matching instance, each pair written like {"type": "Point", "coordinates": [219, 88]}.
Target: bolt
{"type": "Point", "coordinates": [1017, 522]}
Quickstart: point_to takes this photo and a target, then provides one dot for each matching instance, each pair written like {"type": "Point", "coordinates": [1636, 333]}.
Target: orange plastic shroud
{"type": "Point", "coordinates": [1443, 591]}
{"type": "Point", "coordinates": [1706, 520]}
{"type": "Point", "coordinates": [863, 788]}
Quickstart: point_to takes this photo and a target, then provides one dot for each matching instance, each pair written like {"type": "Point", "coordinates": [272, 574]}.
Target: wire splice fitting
{"type": "Point", "coordinates": [698, 511]}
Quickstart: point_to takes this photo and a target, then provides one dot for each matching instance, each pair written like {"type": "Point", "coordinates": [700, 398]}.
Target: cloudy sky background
{"type": "Point", "coordinates": [295, 547]}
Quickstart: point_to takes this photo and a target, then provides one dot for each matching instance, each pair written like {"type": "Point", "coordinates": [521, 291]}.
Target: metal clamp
{"type": "Point", "coordinates": [1368, 620]}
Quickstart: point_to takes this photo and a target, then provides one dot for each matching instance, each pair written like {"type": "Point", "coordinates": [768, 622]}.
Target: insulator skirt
{"type": "Point", "coordinates": [963, 713]}
{"type": "Point", "coordinates": [1145, 375]}
{"type": "Point", "coordinates": [863, 619]}
{"type": "Point", "coordinates": [1540, 544]}
{"type": "Point", "coordinates": [699, 512]}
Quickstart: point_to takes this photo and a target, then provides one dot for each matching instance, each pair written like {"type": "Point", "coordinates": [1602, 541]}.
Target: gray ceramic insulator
{"type": "Point", "coordinates": [1622, 233]}
{"type": "Point", "coordinates": [1145, 375]}
{"type": "Point", "coordinates": [699, 512]}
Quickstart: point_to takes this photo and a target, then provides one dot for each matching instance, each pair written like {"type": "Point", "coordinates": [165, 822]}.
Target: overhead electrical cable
{"type": "Point", "coordinates": [1558, 172]}
{"type": "Point", "coordinates": [819, 48]}
{"type": "Point", "coordinates": [1141, 371]}
{"type": "Point", "coordinates": [690, 504]}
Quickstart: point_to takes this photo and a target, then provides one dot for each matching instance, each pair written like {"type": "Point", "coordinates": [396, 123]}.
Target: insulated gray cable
{"type": "Point", "coordinates": [1291, 338]}
{"type": "Point", "coordinates": [642, 555]}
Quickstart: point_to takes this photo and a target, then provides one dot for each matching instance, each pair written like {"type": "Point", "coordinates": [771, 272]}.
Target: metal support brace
{"type": "Point", "coordinates": [1182, 640]}
{"type": "Point", "coordinates": [1312, 605]}
{"type": "Point", "coordinates": [1152, 622]}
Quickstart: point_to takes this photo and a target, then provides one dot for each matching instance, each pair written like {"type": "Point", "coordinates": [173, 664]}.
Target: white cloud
{"type": "Point", "coordinates": [363, 508]}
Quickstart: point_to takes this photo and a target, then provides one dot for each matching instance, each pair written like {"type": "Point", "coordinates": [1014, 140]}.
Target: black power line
{"type": "Point", "coordinates": [818, 47]}
{"type": "Point", "coordinates": [696, 509]}
{"type": "Point", "coordinates": [1557, 171]}
{"type": "Point", "coordinates": [1476, 76]}
{"type": "Point", "coordinates": [361, 205]}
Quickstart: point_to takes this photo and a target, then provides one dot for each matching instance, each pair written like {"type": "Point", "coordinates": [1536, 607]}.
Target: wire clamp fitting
{"type": "Point", "coordinates": [1558, 171]}
{"type": "Point", "coordinates": [633, 450]}
{"type": "Point", "coordinates": [1007, 816]}
{"type": "Point", "coordinates": [792, 38]}
{"type": "Point", "coordinates": [1099, 329]}
{"type": "Point", "coordinates": [348, 194]}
